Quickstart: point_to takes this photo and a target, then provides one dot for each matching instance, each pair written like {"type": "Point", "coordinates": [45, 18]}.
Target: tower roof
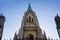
{"type": "Point", "coordinates": [29, 7]}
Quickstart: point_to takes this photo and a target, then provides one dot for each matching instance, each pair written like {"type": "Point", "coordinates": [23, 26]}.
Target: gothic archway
{"type": "Point", "coordinates": [29, 37]}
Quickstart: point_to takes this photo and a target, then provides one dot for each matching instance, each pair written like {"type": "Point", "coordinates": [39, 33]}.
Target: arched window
{"type": "Point", "coordinates": [29, 19]}
{"type": "Point", "coordinates": [29, 37]}
{"type": "Point", "coordinates": [32, 20]}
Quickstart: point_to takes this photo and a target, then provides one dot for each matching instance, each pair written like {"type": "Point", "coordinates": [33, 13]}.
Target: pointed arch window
{"type": "Point", "coordinates": [32, 20]}
{"type": "Point", "coordinates": [29, 19]}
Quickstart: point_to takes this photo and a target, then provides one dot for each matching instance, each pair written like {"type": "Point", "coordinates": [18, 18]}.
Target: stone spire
{"type": "Point", "coordinates": [45, 38]}
{"type": "Point", "coordinates": [29, 7]}
{"type": "Point", "coordinates": [15, 36]}
{"type": "Point", "coordinates": [57, 15]}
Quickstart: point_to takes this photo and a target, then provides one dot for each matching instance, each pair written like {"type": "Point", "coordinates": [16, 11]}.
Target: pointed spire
{"type": "Point", "coordinates": [15, 33]}
{"type": "Point", "coordinates": [1, 14]}
{"type": "Point", "coordinates": [57, 15]}
{"type": "Point", "coordinates": [29, 7]}
{"type": "Point", "coordinates": [44, 33]}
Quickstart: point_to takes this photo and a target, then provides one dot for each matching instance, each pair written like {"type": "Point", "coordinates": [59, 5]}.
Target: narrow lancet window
{"type": "Point", "coordinates": [29, 19]}
{"type": "Point", "coordinates": [32, 20]}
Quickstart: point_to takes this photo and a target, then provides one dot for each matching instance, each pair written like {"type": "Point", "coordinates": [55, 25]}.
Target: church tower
{"type": "Point", "coordinates": [30, 29]}
{"type": "Point", "coordinates": [2, 20]}
{"type": "Point", "coordinates": [57, 20]}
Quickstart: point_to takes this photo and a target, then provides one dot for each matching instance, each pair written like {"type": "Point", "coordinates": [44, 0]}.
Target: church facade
{"type": "Point", "coordinates": [30, 29]}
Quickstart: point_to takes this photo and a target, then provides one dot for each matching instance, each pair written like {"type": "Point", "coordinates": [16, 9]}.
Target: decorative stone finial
{"type": "Point", "coordinates": [1, 14]}
{"type": "Point", "coordinates": [57, 14]}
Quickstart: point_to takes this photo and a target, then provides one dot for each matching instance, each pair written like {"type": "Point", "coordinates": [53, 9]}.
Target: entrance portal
{"type": "Point", "coordinates": [29, 37]}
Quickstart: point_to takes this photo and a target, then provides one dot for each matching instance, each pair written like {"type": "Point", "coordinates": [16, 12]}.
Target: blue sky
{"type": "Point", "coordinates": [13, 10]}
